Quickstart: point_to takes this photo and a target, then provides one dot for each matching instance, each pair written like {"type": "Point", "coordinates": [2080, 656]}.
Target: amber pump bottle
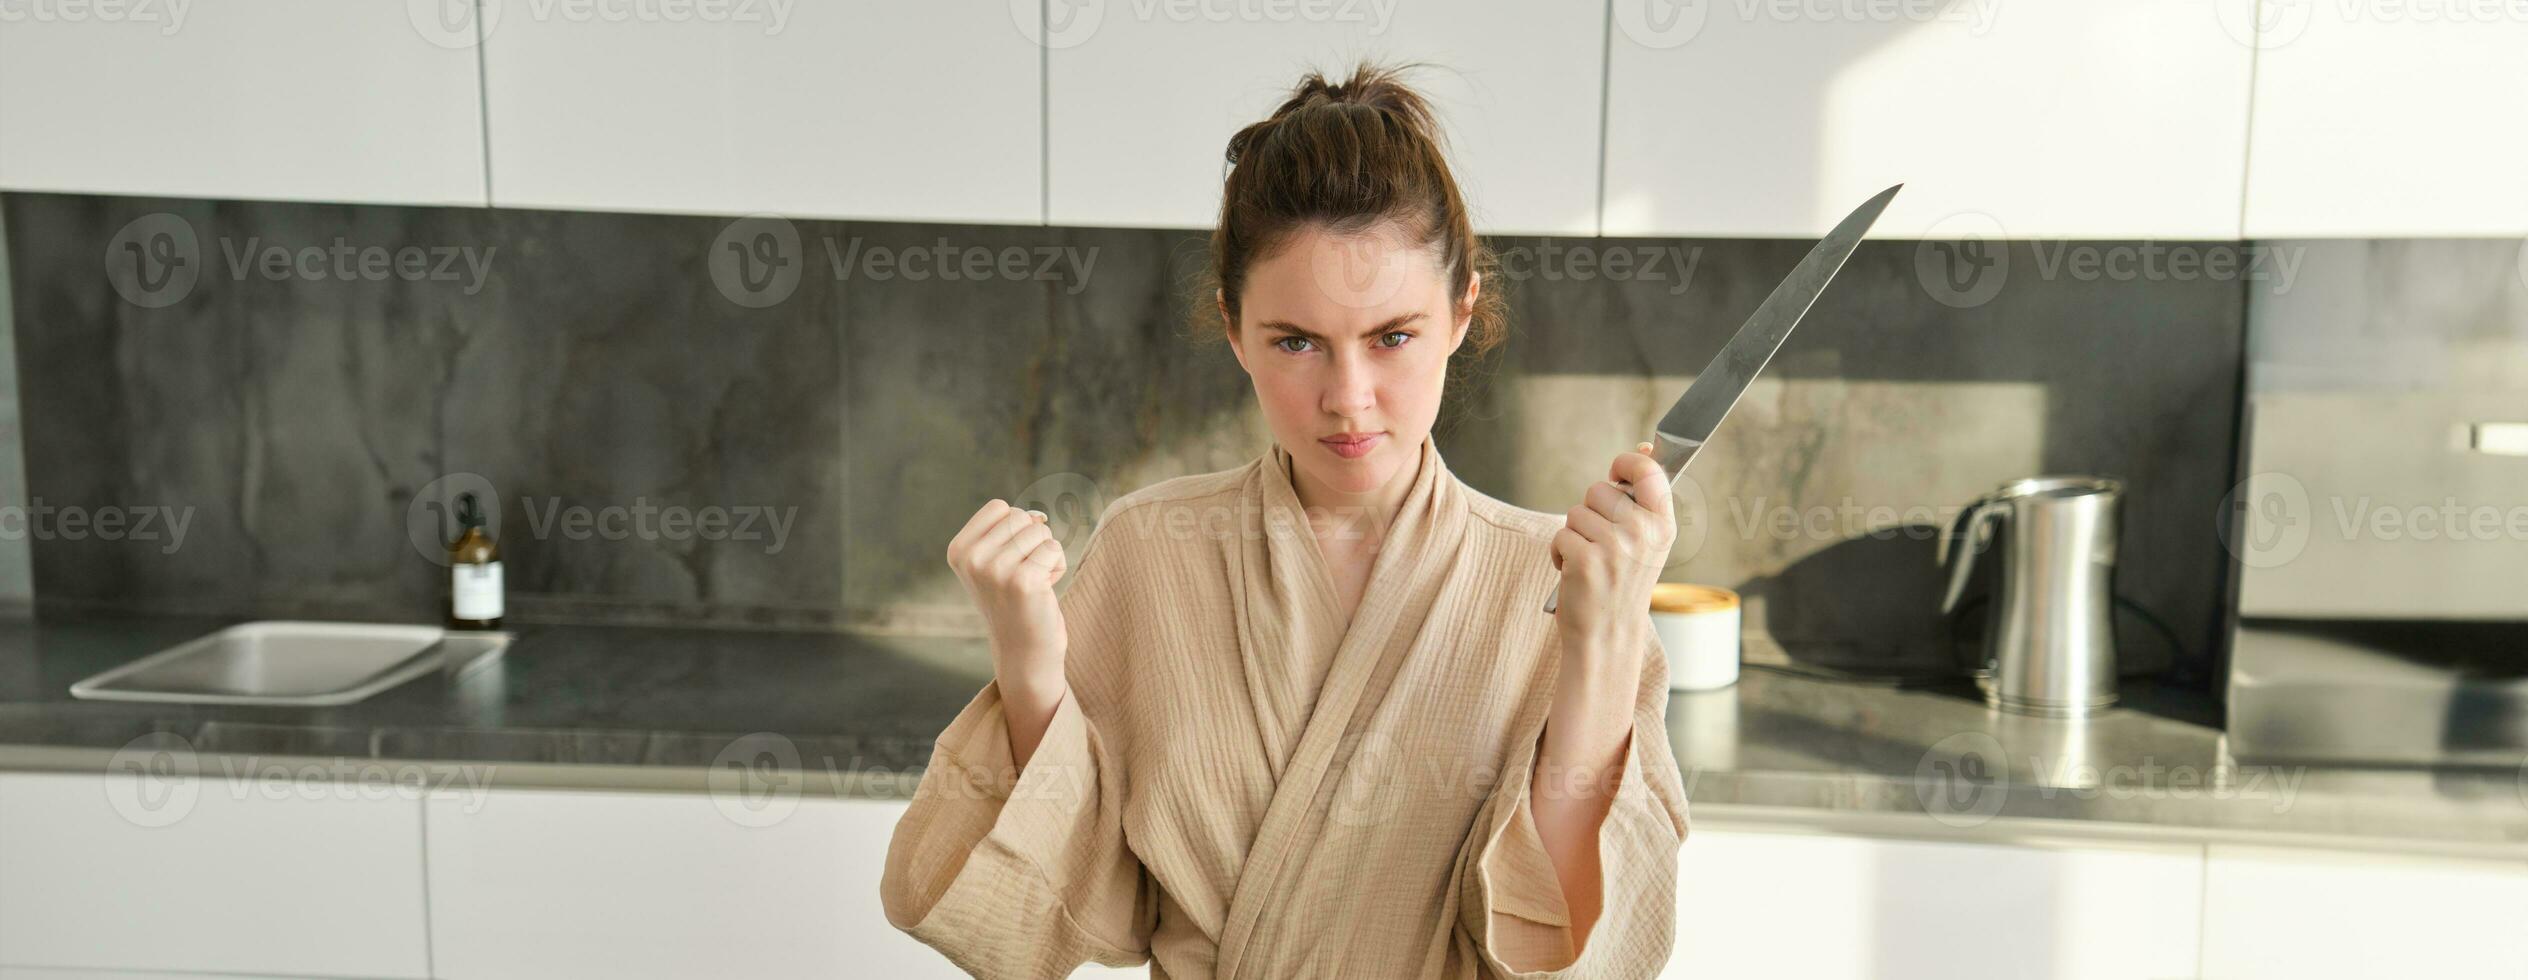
{"type": "Point", "coordinates": [475, 598]}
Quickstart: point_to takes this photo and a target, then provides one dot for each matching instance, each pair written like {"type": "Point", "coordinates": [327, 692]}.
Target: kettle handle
{"type": "Point", "coordinates": [1966, 539]}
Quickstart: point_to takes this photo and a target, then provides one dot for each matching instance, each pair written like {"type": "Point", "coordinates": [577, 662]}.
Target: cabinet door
{"type": "Point", "coordinates": [311, 100]}
{"type": "Point", "coordinates": [48, 973]}
{"type": "Point", "coordinates": [914, 111]}
{"type": "Point", "coordinates": [1142, 98]}
{"type": "Point", "coordinates": [616, 886]}
{"type": "Point", "coordinates": [2079, 120]}
{"type": "Point", "coordinates": [2380, 120]}
{"type": "Point", "coordinates": [140, 871]}
{"type": "Point", "coordinates": [1799, 905]}
{"type": "Point", "coordinates": [2309, 915]}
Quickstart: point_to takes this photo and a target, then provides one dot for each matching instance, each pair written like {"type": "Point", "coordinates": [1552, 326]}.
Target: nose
{"type": "Point", "coordinates": [1353, 390]}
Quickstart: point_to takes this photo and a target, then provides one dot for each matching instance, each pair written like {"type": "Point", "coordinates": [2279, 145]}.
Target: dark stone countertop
{"type": "Point", "coordinates": [658, 708]}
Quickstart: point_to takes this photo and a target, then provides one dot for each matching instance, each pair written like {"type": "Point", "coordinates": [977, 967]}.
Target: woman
{"type": "Point", "coordinates": [1307, 717]}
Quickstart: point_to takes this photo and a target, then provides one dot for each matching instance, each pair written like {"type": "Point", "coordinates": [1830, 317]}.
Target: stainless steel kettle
{"type": "Point", "coordinates": [2049, 638]}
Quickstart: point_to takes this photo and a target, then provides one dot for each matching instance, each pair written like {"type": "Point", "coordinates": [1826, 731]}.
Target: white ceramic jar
{"type": "Point", "coordinates": [1698, 627]}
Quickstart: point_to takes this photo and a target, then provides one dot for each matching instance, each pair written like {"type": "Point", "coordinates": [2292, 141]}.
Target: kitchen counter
{"type": "Point", "coordinates": [660, 708]}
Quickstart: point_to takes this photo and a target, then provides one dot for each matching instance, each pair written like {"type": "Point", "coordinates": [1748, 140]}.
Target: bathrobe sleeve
{"type": "Point", "coordinates": [1019, 874]}
{"type": "Point", "coordinates": [1513, 905]}
{"type": "Point", "coordinates": [1024, 874]}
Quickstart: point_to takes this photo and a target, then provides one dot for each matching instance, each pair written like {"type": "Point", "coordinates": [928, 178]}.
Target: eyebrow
{"type": "Point", "coordinates": [1388, 326]}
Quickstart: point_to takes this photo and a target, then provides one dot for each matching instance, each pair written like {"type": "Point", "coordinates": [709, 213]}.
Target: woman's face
{"type": "Point", "coordinates": [1349, 336]}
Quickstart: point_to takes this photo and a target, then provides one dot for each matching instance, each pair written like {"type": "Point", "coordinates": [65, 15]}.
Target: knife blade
{"type": "Point", "coordinates": [1689, 422]}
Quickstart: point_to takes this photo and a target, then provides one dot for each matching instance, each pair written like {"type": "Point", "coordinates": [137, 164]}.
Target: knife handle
{"type": "Point", "coordinates": [1554, 598]}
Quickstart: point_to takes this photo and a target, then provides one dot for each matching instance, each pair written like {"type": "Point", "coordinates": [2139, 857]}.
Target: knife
{"type": "Point", "coordinates": [1697, 412]}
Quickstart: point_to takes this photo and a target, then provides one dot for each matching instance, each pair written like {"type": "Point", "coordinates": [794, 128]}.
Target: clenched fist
{"type": "Point", "coordinates": [1610, 551]}
{"type": "Point", "coordinates": [1009, 561]}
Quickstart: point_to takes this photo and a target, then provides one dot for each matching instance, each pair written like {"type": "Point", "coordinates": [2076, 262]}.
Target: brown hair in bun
{"type": "Point", "coordinates": [1349, 155]}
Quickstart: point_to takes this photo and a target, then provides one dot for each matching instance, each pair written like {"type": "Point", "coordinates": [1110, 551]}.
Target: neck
{"type": "Point", "coordinates": [1365, 515]}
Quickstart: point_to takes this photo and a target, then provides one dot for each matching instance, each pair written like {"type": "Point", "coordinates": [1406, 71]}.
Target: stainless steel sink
{"type": "Point", "coordinates": [292, 663]}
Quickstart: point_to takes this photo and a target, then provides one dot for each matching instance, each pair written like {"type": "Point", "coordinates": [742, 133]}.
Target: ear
{"type": "Point", "coordinates": [1465, 313]}
{"type": "Point", "coordinates": [1221, 300]}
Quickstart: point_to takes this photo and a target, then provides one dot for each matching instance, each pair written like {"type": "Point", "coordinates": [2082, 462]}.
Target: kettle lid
{"type": "Point", "coordinates": [2056, 486]}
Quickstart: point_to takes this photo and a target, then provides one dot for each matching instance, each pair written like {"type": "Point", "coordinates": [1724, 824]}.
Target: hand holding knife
{"type": "Point", "coordinates": [1689, 422]}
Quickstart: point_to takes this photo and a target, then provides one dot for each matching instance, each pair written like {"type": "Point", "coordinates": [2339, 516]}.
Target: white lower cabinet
{"type": "Point", "coordinates": [131, 875]}
{"type": "Point", "coordinates": [2311, 915]}
{"type": "Point", "coordinates": [1760, 904]}
{"type": "Point", "coordinates": [553, 884]}
{"type": "Point", "coordinates": [149, 869]}
{"type": "Point", "coordinates": [47, 973]}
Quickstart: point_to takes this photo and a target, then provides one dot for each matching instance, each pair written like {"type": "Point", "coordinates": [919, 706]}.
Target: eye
{"type": "Point", "coordinates": [1278, 342]}
{"type": "Point", "coordinates": [1406, 334]}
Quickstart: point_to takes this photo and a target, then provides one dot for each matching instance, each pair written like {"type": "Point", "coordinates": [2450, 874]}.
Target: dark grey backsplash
{"type": "Point", "coordinates": [595, 376]}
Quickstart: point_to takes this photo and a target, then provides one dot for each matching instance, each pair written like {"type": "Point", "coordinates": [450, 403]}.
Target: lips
{"type": "Point", "coordinates": [1352, 445]}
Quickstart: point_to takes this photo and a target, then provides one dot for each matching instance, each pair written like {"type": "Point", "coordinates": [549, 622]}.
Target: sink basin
{"type": "Point", "coordinates": [291, 663]}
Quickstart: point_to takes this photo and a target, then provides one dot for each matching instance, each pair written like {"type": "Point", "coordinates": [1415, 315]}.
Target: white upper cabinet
{"type": "Point", "coordinates": [920, 111]}
{"type": "Point", "coordinates": [1144, 94]}
{"type": "Point", "coordinates": [313, 100]}
{"type": "Point", "coordinates": [2390, 120]}
{"type": "Point", "coordinates": [1759, 118]}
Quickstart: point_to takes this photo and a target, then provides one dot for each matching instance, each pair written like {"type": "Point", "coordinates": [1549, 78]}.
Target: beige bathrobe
{"type": "Point", "coordinates": [1238, 785]}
